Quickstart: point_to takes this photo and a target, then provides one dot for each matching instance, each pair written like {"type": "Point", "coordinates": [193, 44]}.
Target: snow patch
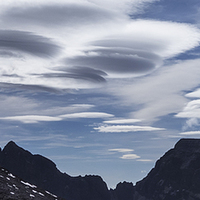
{"type": "Point", "coordinates": [11, 175]}
{"type": "Point", "coordinates": [51, 194]}
{"type": "Point", "coordinates": [9, 185]}
{"type": "Point", "coordinates": [41, 194]}
{"type": "Point", "coordinates": [15, 187]}
{"type": "Point", "coordinates": [28, 184]}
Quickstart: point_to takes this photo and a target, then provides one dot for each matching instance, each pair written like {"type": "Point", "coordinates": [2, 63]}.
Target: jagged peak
{"type": "Point", "coordinates": [12, 149]}
{"type": "Point", "coordinates": [11, 143]}
{"type": "Point", "coordinates": [12, 146]}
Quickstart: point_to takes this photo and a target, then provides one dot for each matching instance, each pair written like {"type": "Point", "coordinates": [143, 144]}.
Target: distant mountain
{"type": "Point", "coordinates": [42, 172]}
{"type": "Point", "coordinates": [13, 188]}
{"type": "Point", "coordinates": [176, 176]}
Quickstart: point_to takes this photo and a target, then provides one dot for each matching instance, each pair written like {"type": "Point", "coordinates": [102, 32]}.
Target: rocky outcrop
{"type": "Point", "coordinates": [123, 191]}
{"type": "Point", "coordinates": [42, 172]}
{"type": "Point", "coordinates": [176, 175]}
{"type": "Point", "coordinates": [13, 188]}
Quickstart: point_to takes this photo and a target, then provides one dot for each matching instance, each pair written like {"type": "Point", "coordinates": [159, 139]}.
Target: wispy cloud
{"type": "Point", "coordinates": [130, 156]}
{"type": "Point", "coordinates": [121, 150]}
{"type": "Point", "coordinates": [40, 118]}
{"type": "Point", "coordinates": [144, 160]}
{"type": "Point", "coordinates": [161, 93]}
{"type": "Point", "coordinates": [126, 128]}
{"type": "Point", "coordinates": [190, 133]}
{"type": "Point", "coordinates": [122, 121]}
{"type": "Point", "coordinates": [31, 118]}
{"type": "Point", "coordinates": [86, 115]}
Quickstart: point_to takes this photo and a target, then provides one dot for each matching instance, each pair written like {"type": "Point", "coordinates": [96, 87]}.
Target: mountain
{"type": "Point", "coordinates": [42, 172]}
{"type": "Point", "coordinates": [13, 188]}
{"type": "Point", "coordinates": [176, 176]}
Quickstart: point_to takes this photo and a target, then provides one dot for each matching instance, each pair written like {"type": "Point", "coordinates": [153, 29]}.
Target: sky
{"type": "Point", "coordinates": [100, 87]}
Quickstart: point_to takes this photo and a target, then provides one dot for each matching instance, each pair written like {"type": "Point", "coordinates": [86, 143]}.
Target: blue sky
{"type": "Point", "coordinates": [100, 87]}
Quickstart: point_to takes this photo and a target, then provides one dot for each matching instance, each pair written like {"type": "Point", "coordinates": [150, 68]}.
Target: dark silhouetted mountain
{"type": "Point", "coordinates": [42, 172]}
{"type": "Point", "coordinates": [176, 176]}
{"type": "Point", "coordinates": [13, 188]}
{"type": "Point", "coordinates": [123, 191]}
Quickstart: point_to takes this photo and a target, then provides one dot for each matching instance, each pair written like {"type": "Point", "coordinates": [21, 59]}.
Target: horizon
{"type": "Point", "coordinates": [13, 143]}
{"type": "Point", "coordinates": [100, 87]}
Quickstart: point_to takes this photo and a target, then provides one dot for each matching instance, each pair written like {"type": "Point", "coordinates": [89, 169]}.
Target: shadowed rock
{"type": "Point", "coordinates": [42, 172]}
{"type": "Point", "coordinates": [176, 175]}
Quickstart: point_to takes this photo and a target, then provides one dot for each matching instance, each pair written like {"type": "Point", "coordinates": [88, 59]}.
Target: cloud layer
{"type": "Point", "coordinates": [27, 42]}
{"type": "Point", "coordinates": [112, 45]}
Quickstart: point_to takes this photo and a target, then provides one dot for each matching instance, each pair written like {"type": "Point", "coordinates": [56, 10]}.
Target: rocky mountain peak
{"type": "Point", "coordinates": [11, 146]}
{"type": "Point", "coordinates": [188, 145]}
{"type": "Point", "coordinates": [42, 172]}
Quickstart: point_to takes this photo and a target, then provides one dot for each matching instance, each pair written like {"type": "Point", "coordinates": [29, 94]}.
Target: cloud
{"type": "Point", "coordinates": [86, 115]}
{"type": "Point", "coordinates": [39, 118]}
{"type": "Point", "coordinates": [144, 160]}
{"type": "Point", "coordinates": [165, 39]}
{"type": "Point", "coordinates": [122, 121]}
{"type": "Point", "coordinates": [79, 73]}
{"type": "Point", "coordinates": [159, 94]}
{"type": "Point", "coordinates": [117, 62]}
{"type": "Point", "coordinates": [29, 119]}
{"type": "Point", "coordinates": [126, 128]}
{"type": "Point", "coordinates": [190, 123]}
{"type": "Point", "coordinates": [35, 110]}
{"type": "Point", "coordinates": [98, 40]}
{"type": "Point", "coordinates": [55, 14]}
{"type": "Point", "coordinates": [191, 110]}
{"type": "Point", "coordinates": [190, 133]}
{"type": "Point", "coordinates": [127, 6]}
{"type": "Point", "coordinates": [194, 94]}
{"type": "Point", "coordinates": [130, 156]}
{"type": "Point", "coordinates": [130, 52]}
{"type": "Point", "coordinates": [97, 54]}
{"type": "Point", "coordinates": [121, 150]}
{"type": "Point", "coordinates": [27, 42]}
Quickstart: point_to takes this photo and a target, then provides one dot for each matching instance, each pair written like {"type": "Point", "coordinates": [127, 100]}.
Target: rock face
{"type": "Point", "coordinates": [42, 172]}
{"type": "Point", "coordinates": [123, 191]}
{"type": "Point", "coordinates": [13, 188]}
{"type": "Point", "coordinates": [176, 176]}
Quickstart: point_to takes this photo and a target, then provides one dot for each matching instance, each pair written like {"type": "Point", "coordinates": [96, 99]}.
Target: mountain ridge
{"type": "Point", "coordinates": [175, 176]}
{"type": "Point", "coordinates": [14, 188]}
{"type": "Point", "coordinates": [42, 172]}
